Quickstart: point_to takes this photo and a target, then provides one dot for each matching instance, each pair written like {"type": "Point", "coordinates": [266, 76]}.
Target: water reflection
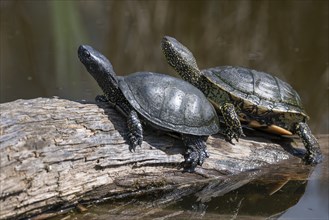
{"type": "Point", "coordinates": [39, 40]}
{"type": "Point", "coordinates": [313, 204]}
{"type": "Point", "coordinates": [253, 199]}
{"type": "Point", "coordinates": [271, 193]}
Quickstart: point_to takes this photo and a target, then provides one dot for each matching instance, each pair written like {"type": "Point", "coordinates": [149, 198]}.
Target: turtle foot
{"type": "Point", "coordinates": [234, 129]}
{"type": "Point", "coordinates": [313, 158]}
{"type": "Point", "coordinates": [195, 154]}
{"type": "Point", "coordinates": [101, 98]}
{"type": "Point", "coordinates": [234, 133]}
{"type": "Point", "coordinates": [134, 141]}
{"type": "Point", "coordinates": [313, 155]}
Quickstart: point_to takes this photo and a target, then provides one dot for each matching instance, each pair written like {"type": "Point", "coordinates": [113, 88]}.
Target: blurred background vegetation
{"type": "Point", "coordinates": [39, 40]}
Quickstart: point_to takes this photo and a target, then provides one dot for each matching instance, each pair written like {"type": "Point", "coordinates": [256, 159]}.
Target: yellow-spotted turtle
{"type": "Point", "coordinates": [247, 96]}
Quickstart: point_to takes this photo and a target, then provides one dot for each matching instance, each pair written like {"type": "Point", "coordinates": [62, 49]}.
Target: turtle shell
{"type": "Point", "coordinates": [256, 88]}
{"type": "Point", "coordinates": [170, 103]}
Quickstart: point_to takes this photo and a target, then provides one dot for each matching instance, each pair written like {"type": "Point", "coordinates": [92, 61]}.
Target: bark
{"type": "Point", "coordinates": [57, 153]}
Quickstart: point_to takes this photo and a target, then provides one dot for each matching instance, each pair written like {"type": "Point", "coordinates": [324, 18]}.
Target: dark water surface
{"type": "Point", "coordinates": [38, 58]}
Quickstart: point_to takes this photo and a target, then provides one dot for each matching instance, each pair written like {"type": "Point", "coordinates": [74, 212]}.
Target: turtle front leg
{"type": "Point", "coordinates": [234, 129]}
{"type": "Point", "coordinates": [101, 98]}
{"type": "Point", "coordinates": [135, 134]}
{"type": "Point", "coordinates": [313, 155]}
{"type": "Point", "coordinates": [196, 151]}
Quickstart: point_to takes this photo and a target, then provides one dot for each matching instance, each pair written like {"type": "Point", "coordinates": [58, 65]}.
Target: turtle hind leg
{"type": "Point", "coordinates": [135, 134]}
{"type": "Point", "coordinates": [313, 155]}
{"type": "Point", "coordinates": [234, 128]}
{"type": "Point", "coordinates": [196, 151]}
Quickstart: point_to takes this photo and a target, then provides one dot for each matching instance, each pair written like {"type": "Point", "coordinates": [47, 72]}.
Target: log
{"type": "Point", "coordinates": [57, 153]}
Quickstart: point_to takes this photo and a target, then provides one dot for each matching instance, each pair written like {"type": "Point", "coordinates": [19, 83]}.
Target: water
{"type": "Point", "coordinates": [39, 41]}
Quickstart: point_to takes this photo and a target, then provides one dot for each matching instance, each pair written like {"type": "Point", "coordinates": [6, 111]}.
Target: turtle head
{"type": "Point", "coordinates": [99, 67]}
{"type": "Point", "coordinates": [181, 59]}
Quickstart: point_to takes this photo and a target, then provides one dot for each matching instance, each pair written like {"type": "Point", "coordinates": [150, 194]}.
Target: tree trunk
{"type": "Point", "coordinates": [57, 153]}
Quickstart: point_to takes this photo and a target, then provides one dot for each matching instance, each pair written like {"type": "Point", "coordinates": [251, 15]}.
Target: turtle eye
{"type": "Point", "coordinates": [86, 54]}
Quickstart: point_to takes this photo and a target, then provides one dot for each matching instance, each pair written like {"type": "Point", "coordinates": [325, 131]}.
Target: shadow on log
{"type": "Point", "coordinates": [57, 153]}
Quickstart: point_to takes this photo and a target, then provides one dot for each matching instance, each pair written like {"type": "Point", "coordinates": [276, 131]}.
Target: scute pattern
{"type": "Point", "coordinates": [258, 88]}
{"type": "Point", "coordinates": [170, 103]}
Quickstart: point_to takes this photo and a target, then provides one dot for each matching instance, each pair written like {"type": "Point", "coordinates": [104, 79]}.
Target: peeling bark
{"type": "Point", "coordinates": [57, 153]}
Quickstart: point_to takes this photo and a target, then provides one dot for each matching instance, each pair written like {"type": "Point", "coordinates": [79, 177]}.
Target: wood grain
{"type": "Point", "coordinates": [58, 153]}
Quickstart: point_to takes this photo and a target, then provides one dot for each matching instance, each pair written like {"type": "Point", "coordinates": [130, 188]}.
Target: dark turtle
{"type": "Point", "coordinates": [255, 98]}
{"type": "Point", "coordinates": [159, 100]}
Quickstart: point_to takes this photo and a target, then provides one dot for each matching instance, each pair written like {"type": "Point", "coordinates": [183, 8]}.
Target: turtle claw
{"type": "Point", "coordinates": [195, 154]}
{"type": "Point", "coordinates": [190, 162]}
{"type": "Point", "coordinates": [239, 135]}
{"type": "Point", "coordinates": [135, 141]}
{"type": "Point", "coordinates": [235, 133]}
{"type": "Point", "coordinates": [229, 139]}
{"type": "Point", "coordinates": [132, 148]}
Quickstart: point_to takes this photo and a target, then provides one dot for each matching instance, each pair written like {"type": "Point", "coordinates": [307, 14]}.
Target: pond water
{"type": "Point", "coordinates": [38, 58]}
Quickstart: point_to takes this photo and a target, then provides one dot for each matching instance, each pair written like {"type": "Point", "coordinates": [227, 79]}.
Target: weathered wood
{"type": "Point", "coordinates": [55, 153]}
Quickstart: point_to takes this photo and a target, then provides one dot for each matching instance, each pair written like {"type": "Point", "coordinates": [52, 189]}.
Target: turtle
{"type": "Point", "coordinates": [248, 97]}
{"type": "Point", "coordinates": [157, 100]}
